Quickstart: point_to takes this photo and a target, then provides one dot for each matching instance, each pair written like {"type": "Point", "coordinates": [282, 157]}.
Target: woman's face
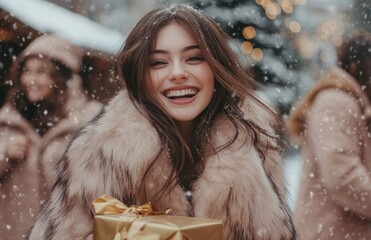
{"type": "Point", "coordinates": [180, 77]}
{"type": "Point", "coordinates": [36, 79]}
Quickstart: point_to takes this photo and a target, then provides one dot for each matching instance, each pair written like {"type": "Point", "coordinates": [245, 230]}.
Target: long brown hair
{"type": "Point", "coordinates": [232, 87]}
{"type": "Point", "coordinates": [354, 56]}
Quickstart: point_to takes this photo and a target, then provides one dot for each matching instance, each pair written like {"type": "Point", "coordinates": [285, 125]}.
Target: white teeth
{"type": "Point", "coordinates": [181, 93]}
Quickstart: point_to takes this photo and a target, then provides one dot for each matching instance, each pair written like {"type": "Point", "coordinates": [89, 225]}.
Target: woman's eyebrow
{"type": "Point", "coordinates": [188, 48]}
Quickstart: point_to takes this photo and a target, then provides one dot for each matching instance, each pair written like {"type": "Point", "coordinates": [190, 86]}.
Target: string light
{"type": "Point", "coordinates": [246, 47]}
{"type": "Point", "coordinates": [249, 32]}
{"type": "Point", "coordinates": [257, 54]}
{"type": "Point", "coordinates": [272, 10]}
{"type": "Point", "coordinates": [286, 6]}
{"type": "Point", "coordinates": [295, 26]}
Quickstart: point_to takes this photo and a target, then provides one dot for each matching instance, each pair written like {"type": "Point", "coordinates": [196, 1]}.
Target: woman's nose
{"type": "Point", "coordinates": [29, 78]}
{"type": "Point", "coordinates": [178, 72]}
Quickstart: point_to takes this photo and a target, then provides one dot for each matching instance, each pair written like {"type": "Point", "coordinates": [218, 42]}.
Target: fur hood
{"type": "Point", "coordinates": [334, 78]}
{"type": "Point", "coordinates": [110, 156]}
{"type": "Point", "coordinates": [55, 47]}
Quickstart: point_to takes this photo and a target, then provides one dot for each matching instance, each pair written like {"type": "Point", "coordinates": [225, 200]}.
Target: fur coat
{"type": "Point", "coordinates": [110, 155]}
{"type": "Point", "coordinates": [24, 185]}
{"type": "Point", "coordinates": [332, 126]}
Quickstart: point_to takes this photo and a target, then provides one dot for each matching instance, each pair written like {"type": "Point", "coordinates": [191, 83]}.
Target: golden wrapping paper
{"type": "Point", "coordinates": [116, 221]}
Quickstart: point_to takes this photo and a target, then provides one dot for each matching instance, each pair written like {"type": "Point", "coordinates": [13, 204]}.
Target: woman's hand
{"type": "Point", "coordinates": [17, 147]}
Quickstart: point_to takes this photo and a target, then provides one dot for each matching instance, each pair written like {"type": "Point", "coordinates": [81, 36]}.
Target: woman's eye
{"type": "Point", "coordinates": [195, 59]}
{"type": "Point", "coordinates": [157, 63]}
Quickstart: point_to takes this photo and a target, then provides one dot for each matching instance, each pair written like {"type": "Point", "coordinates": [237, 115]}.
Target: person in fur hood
{"type": "Point", "coordinates": [187, 133]}
{"type": "Point", "coordinates": [331, 124]}
{"type": "Point", "coordinates": [44, 107]}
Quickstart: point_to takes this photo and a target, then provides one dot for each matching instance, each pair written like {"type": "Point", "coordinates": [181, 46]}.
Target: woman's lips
{"type": "Point", "coordinates": [181, 95]}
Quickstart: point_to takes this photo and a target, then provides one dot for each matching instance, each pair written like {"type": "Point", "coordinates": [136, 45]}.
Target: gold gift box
{"type": "Point", "coordinates": [112, 225]}
{"type": "Point", "coordinates": [161, 227]}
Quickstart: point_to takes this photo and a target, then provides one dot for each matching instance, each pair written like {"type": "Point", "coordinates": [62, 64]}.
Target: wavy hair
{"type": "Point", "coordinates": [233, 86]}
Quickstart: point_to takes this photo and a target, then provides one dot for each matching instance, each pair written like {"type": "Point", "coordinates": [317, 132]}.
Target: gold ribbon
{"type": "Point", "coordinates": [107, 204]}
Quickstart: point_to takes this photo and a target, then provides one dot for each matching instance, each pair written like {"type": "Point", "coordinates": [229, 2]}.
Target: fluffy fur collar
{"type": "Point", "coordinates": [235, 185]}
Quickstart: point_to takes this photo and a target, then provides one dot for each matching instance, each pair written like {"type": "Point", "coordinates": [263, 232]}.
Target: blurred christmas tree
{"type": "Point", "coordinates": [263, 30]}
{"type": "Point", "coordinates": [361, 14]}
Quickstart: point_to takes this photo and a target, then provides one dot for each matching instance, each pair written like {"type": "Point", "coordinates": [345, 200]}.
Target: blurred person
{"type": "Point", "coordinates": [187, 133]}
{"type": "Point", "coordinates": [45, 105]}
{"type": "Point", "coordinates": [331, 124]}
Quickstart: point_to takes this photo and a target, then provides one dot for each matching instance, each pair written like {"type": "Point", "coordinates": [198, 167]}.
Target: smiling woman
{"type": "Point", "coordinates": [187, 133]}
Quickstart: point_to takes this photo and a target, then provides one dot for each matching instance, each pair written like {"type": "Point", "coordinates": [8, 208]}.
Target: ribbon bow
{"type": "Point", "coordinates": [107, 204]}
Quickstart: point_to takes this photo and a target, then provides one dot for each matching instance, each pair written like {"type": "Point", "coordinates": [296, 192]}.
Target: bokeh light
{"type": "Point", "coordinates": [247, 47]}
{"type": "Point", "coordinates": [249, 32]}
{"type": "Point", "coordinates": [257, 54]}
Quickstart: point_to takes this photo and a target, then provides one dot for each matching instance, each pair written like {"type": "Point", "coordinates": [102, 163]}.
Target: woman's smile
{"type": "Point", "coordinates": [181, 95]}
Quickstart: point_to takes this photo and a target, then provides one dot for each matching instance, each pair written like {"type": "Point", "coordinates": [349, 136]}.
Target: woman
{"type": "Point", "coordinates": [43, 109]}
{"type": "Point", "coordinates": [332, 126]}
{"type": "Point", "coordinates": [188, 133]}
